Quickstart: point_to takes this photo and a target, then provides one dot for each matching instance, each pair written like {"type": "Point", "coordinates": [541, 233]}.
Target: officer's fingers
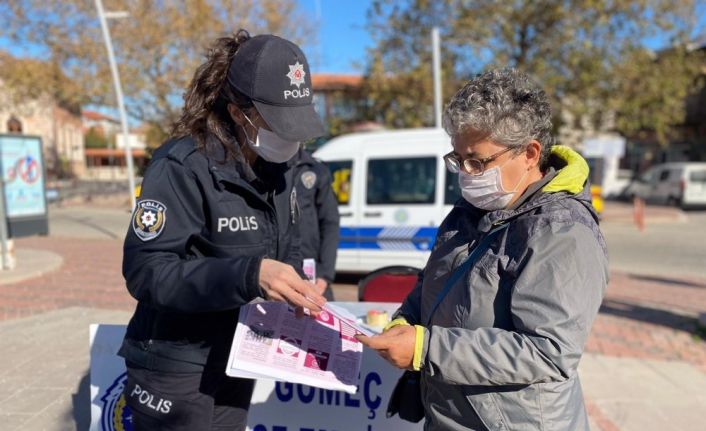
{"type": "Point", "coordinates": [305, 302]}
{"type": "Point", "coordinates": [268, 270]}
{"type": "Point", "coordinates": [294, 298]}
{"type": "Point", "coordinates": [272, 294]}
{"type": "Point", "coordinates": [307, 290]}
{"type": "Point", "coordinates": [320, 285]}
{"type": "Point", "coordinates": [283, 279]}
{"type": "Point", "coordinates": [300, 312]}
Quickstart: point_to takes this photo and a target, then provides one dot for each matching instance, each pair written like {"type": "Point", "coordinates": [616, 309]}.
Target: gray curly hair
{"type": "Point", "coordinates": [507, 106]}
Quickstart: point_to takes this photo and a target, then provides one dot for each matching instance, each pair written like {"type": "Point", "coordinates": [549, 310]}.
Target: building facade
{"type": "Point", "coordinates": [60, 129]}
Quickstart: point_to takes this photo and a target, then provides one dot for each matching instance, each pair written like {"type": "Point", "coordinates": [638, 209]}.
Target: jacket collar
{"type": "Point", "coordinates": [301, 158]}
{"type": "Point", "coordinates": [566, 177]}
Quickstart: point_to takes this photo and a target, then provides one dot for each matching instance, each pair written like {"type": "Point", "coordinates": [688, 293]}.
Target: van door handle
{"type": "Point", "coordinates": [349, 214]}
{"type": "Point", "coordinates": [375, 214]}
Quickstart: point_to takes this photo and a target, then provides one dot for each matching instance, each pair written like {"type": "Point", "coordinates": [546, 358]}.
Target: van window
{"type": "Point", "coordinates": [452, 191]}
{"type": "Point", "coordinates": [401, 181]}
{"type": "Point", "coordinates": [697, 177]}
{"type": "Point", "coordinates": [341, 176]}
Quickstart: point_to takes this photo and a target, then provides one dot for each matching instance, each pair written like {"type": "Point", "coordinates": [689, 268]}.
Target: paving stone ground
{"type": "Point", "coordinates": [644, 319]}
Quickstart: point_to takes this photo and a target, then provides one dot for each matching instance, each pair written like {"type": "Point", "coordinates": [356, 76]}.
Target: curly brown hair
{"type": "Point", "coordinates": [205, 115]}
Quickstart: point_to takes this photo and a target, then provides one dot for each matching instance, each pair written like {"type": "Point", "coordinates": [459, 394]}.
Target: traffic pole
{"type": "Point", "coordinates": [638, 213]}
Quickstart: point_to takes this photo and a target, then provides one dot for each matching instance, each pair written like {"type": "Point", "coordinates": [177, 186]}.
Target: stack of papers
{"type": "Point", "coordinates": [271, 342]}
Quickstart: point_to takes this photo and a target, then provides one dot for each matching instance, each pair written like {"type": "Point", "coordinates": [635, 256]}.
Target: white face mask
{"type": "Point", "coordinates": [271, 147]}
{"type": "Point", "coordinates": [486, 191]}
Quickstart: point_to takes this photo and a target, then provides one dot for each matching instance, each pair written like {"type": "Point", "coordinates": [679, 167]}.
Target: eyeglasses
{"type": "Point", "coordinates": [471, 166]}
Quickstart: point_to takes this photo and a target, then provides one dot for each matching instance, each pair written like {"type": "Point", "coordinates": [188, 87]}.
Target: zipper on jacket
{"type": "Point", "coordinates": [274, 221]}
{"type": "Point", "coordinates": [294, 205]}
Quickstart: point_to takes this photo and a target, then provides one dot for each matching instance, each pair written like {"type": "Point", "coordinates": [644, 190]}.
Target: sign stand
{"type": "Point", "coordinates": [23, 204]}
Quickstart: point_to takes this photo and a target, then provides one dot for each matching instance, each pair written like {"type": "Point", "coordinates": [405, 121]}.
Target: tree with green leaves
{"type": "Point", "coordinates": [158, 46]}
{"type": "Point", "coordinates": [398, 81]}
{"type": "Point", "coordinates": [95, 138]}
{"type": "Point", "coordinates": [654, 89]}
{"type": "Point", "coordinates": [587, 54]}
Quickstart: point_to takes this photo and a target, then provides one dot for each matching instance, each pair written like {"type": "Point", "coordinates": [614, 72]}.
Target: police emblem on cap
{"type": "Point", "coordinates": [308, 179]}
{"type": "Point", "coordinates": [296, 74]}
{"type": "Point", "coordinates": [148, 219]}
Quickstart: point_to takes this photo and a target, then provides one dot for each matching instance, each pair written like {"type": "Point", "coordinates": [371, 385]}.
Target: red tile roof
{"type": "Point", "coordinates": [333, 81]}
{"type": "Point", "coordinates": [115, 152]}
{"type": "Point", "coordinates": [97, 116]}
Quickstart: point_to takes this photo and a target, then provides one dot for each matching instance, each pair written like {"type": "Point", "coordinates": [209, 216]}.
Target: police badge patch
{"type": "Point", "coordinates": [308, 179]}
{"type": "Point", "coordinates": [148, 219]}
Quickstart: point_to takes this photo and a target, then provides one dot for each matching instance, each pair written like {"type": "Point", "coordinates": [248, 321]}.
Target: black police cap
{"type": "Point", "coordinates": [274, 73]}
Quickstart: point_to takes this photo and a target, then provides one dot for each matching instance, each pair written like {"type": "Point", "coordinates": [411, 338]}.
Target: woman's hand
{"type": "Point", "coordinates": [395, 345]}
{"type": "Point", "coordinates": [280, 282]}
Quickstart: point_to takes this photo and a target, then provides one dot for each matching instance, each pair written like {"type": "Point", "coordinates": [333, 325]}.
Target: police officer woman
{"type": "Point", "coordinates": [216, 226]}
{"type": "Point", "coordinates": [321, 221]}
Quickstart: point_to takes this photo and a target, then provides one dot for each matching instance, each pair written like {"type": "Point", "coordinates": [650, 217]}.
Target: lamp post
{"type": "Point", "coordinates": [436, 73]}
{"type": "Point", "coordinates": [103, 16]}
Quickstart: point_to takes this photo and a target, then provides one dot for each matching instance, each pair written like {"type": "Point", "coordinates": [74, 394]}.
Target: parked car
{"type": "Point", "coordinates": [681, 184]}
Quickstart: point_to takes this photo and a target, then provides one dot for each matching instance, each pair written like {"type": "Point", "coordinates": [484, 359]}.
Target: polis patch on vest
{"type": "Point", "coordinates": [308, 179]}
{"type": "Point", "coordinates": [149, 219]}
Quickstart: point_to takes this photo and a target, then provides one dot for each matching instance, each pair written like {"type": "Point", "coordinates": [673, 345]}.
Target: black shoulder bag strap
{"type": "Point", "coordinates": [462, 268]}
{"type": "Point", "coordinates": [406, 398]}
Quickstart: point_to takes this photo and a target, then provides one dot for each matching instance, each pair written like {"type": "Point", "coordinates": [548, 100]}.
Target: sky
{"type": "Point", "coordinates": [342, 36]}
{"type": "Point", "coordinates": [343, 39]}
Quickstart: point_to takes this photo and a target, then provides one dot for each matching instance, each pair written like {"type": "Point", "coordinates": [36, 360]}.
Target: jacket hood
{"type": "Point", "coordinates": [572, 176]}
{"type": "Point", "coordinates": [566, 178]}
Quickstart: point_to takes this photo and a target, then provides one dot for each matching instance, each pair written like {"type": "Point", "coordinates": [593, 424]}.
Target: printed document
{"type": "Point", "coordinates": [271, 342]}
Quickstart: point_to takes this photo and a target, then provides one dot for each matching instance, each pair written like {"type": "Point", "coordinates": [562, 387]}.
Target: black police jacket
{"type": "Point", "coordinates": [193, 251]}
{"type": "Point", "coordinates": [319, 213]}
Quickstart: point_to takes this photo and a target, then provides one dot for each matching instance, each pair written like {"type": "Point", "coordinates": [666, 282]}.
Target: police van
{"type": "Point", "coordinates": [393, 191]}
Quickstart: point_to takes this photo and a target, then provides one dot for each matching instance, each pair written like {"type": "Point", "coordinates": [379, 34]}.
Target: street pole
{"type": "Point", "coordinates": [436, 61]}
{"type": "Point", "coordinates": [4, 249]}
{"type": "Point", "coordinates": [119, 96]}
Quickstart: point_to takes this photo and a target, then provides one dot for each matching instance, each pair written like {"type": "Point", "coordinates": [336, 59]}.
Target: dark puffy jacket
{"type": "Point", "coordinates": [193, 251]}
{"type": "Point", "coordinates": [319, 213]}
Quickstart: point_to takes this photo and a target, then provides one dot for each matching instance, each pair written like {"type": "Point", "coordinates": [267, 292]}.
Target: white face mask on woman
{"type": "Point", "coordinates": [271, 147]}
{"type": "Point", "coordinates": [485, 191]}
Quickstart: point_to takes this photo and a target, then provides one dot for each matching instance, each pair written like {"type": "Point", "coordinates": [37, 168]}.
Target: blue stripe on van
{"type": "Point", "coordinates": [394, 238]}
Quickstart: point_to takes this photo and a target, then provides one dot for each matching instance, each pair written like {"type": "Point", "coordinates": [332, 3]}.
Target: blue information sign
{"type": "Point", "coordinates": [22, 167]}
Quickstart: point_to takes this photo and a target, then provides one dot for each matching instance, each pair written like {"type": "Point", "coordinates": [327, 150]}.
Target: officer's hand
{"type": "Point", "coordinates": [321, 285]}
{"type": "Point", "coordinates": [280, 282]}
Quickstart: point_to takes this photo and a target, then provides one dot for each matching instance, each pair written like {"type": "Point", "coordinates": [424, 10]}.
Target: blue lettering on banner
{"type": "Point", "coordinates": [330, 396]}
{"type": "Point", "coordinates": [306, 399]}
{"type": "Point", "coordinates": [351, 402]}
{"type": "Point", "coordinates": [286, 392]}
{"type": "Point", "coordinates": [372, 404]}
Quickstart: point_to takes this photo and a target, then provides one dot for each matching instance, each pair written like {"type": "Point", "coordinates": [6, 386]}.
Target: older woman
{"type": "Point", "coordinates": [499, 348]}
